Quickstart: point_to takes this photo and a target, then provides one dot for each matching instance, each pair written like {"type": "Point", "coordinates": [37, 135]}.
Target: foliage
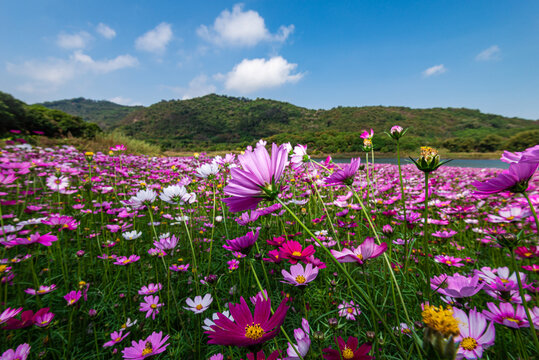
{"type": "Point", "coordinates": [523, 140]}
{"type": "Point", "coordinates": [16, 115]}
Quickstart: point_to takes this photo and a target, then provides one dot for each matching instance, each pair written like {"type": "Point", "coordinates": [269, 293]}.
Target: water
{"type": "Point", "coordinates": [470, 163]}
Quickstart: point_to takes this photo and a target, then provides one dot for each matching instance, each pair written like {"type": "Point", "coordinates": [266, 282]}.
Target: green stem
{"type": "Point", "coordinates": [533, 212]}
{"type": "Point", "coordinates": [403, 201]}
{"type": "Point", "coordinates": [212, 230]}
{"type": "Point", "coordinates": [521, 291]}
{"type": "Point", "coordinates": [426, 234]}
{"type": "Point", "coordinates": [195, 268]}
{"type": "Point", "coordinates": [347, 275]}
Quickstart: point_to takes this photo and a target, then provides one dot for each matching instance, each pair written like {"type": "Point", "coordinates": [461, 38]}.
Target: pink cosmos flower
{"type": "Point", "coordinates": [345, 175]}
{"type": "Point", "coordinates": [299, 276]}
{"type": "Point", "coordinates": [367, 250]}
{"type": "Point", "coordinates": [515, 157]}
{"type": "Point", "coordinates": [458, 286]}
{"type": "Point", "coordinates": [509, 214]}
{"type": "Point", "coordinates": [233, 264]}
{"type": "Point", "coordinates": [43, 318]}
{"type": "Point", "coordinates": [21, 353]}
{"type": "Point", "coordinates": [8, 314]}
{"type": "Point", "coordinates": [445, 234]}
{"type": "Point", "coordinates": [246, 330]}
{"type": "Point", "coordinates": [122, 260]}
{"type": "Point", "coordinates": [348, 350]}
{"type": "Point", "coordinates": [199, 304]}
{"type": "Point", "coordinates": [448, 260]}
{"type": "Point", "coordinates": [179, 268]}
{"type": "Point", "coordinates": [303, 342]}
{"type": "Point", "coordinates": [514, 179]}
{"type": "Point", "coordinates": [257, 179]}
{"type": "Point", "coordinates": [153, 345]}
{"type": "Point", "coordinates": [367, 135]}
{"type": "Point", "coordinates": [475, 334]}
{"type": "Point", "coordinates": [507, 315]}
{"type": "Point", "coordinates": [62, 221]}
{"type": "Point", "coordinates": [150, 289]}
{"type": "Point", "coordinates": [72, 297]}
{"type": "Point", "coordinates": [349, 310]}
{"type": "Point", "coordinates": [151, 306]}
{"type": "Point", "coordinates": [116, 337]}
{"type": "Point", "coordinates": [7, 179]}
{"type": "Point", "coordinates": [45, 240]}
{"type": "Point", "coordinates": [43, 289]}
{"type": "Point", "coordinates": [299, 157]}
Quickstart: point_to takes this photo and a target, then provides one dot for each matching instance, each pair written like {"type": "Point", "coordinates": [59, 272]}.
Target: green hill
{"type": "Point", "coordinates": [220, 122]}
{"type": "Point", "coordinates": [104, 113]}
{"type": "Point", "coordinates": [16, 115]}
{"type": "Point", "coordinates": [217, 122]}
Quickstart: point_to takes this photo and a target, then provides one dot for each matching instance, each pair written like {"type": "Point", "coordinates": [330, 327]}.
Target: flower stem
{"type": "Point", "coordinates": [347, 275]}
{"type": "Point", "coordinates": [533, 212]}
{"type": "Point", "coordinates": [426, 234]}
{"type": "Point", "coordinates": [521, 291]}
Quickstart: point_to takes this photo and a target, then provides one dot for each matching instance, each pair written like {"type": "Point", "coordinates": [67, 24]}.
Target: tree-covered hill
{"type": "Point", "coordinates": [217, 122]}
{"type": "Point", "coordinates": [37, 119]}
{"type": "Point", "coordinates": [104, 113]}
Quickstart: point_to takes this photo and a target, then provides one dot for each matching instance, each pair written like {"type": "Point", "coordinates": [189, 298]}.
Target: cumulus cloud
{"type": "Point", "coordinates": [254, 74]}
{"type": "Point", "coordinates": [155, 40]}
{"type": "Point", "coordinates": [241, 28]}
{"type": "Point", "coordinates": [199, 86]}
{"type": "Point", "coordinates": [73, 41]}
{"type": "Point", "coordinates": [435, 70]}
{"type": "Point", "coordinates": [55, 72]}
{"type": "Point", "coordinates": [491, 53]}
{"type": "Point", "coordinates": [105, 31]}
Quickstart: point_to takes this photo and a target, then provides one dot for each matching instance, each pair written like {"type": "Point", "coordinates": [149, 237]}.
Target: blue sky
{"type": "Point", "coordinates": [318, 54]}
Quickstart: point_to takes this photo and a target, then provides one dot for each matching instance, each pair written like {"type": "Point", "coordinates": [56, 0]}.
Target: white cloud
{"type": "Point", "coordinates": [123, 101]}
{"type": "Point", "coordinates": [241, 28]}
{"type": "Point", "coordinates": [54, 72]}
{"type": "Point", "coordinates": [491, 53]}
{"type": "Point", "coordinates": [155, 40]}
{"type": "Point", "coordinates": [105, 31]}
{"type": "Point", "coordinates": [73, 41]}
{"type": "Point", "coordinates": [435, 70]}
{"type": "Point", "coordinates": [199, 86]}
{"type": "Point", "coordinates": [254, 74]}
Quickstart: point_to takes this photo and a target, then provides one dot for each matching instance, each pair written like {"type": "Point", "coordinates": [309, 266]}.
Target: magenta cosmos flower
{"type": "Point", "coordinates": [151, 306]}
{"type": "Point", "coordinates": [8, 314]}
{"type": "Point", "coordinates": [150, 289]}
{"type": "Point", "coordinates": [515, 179]}
{"type": "Point", "coordinates": [45, 240]}
{"type": "Point", "coordinates": [367, 250]}
{"type": "Point", "coordinates": [243, 243]}
{"type": "Point", "coordinates": [475, 334]}
{"type": "Point", "coordinates": [300, 276]}
{"type": "Point", "coordinates": [294, 252]}
{"type": "Point", "coordinates": [43, 289]}
{"type": "Point", "coordinates": [21, 353]}
{"type": "Point", "coordinates": [257, 178]}
{"type": "Point", "coordinates": [507, 315]}
{"type": "Point", "coordinates": [345, 175]}
{"type": "Point", "coordinates": [116, 337]}
{"type": "Point", "coordinates": [349, 310]}
{"type": "Point", "coordinates": [153, 345]}
{"type": "Point", "coordinates": [348, 350]}
{"type": "Point", "coordinates": [448, 260]}
{"type": "Point", "coordinates": [246, 329]}
{"type": "Point", "coordinates": [72, 297]}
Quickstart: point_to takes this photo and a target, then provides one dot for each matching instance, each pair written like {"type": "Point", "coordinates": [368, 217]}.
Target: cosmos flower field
{"type": "Point", "coordinates": [264, 255]}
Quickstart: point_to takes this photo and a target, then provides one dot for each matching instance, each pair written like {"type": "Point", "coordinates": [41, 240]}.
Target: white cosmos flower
{"type": "Point", "coordinates": [143, 197]}
{"type": "Point", "coordinates": [209, 322]}
{"type": "Point", "coordinates": [199, 304]}
{"type": "Point", "coordinates": [177, 194]}
{"type": "Point", "coordinates": [132, 235]}
{"type": "Point", "coordinates": [206, 170]}
{"type": "Point", "coordinates": [57, 183]}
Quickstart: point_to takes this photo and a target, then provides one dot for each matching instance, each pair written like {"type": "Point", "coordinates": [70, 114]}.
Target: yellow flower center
{"type": "Point", "coordinates": [198, 307]}
{"type": "Point", "coordinates": [512, 319]}
{"type": "Point", "coordinates": [527, 254]}
{"type": "Point", "coordinates": [300, 279]}
{"type": "Point", "coordinates": [296, 253]}
{"type": "Point", "coordinates": [510, 218]}
{"type": "Point", "coordinates": [360, 257]}
{"type": "Point", "coordinates": [441, 320]}
{"type": "Point", "coordinates": [468, 343]}
{"type": "Point", "coordinates": [126, 261]}
{"type": "Point", "coordinates": [147, 349]}
{"type": "Point", "coordinates": [41, 291]}
{"type": "Point", "coordinates": [350, 310]}
{"type": "Point", "coordinates": [3, 268]}
{"type": "Point", "coordinates": [118, 339]}
{"type": "Point", "coordinates": [347, 353]}
{"type": "Point", "coordinates": [254, 332]}
{"type": "Point", "coordinates": [448, 262]}
{"type": "Point", "coordinates": [153, 306]}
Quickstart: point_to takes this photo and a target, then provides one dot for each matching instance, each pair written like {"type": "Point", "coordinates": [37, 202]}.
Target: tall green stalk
{"type": "Point", "coordinates": [426, 247]}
